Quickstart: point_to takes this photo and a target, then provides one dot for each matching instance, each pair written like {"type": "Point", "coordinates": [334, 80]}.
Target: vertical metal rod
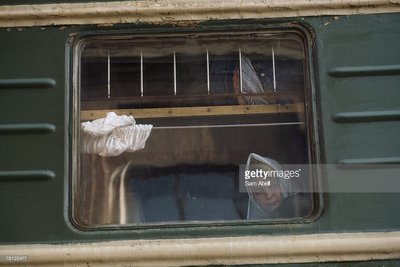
{"type": "Point", "coordinates": [174, 73]}
{"type": "Point", "coordinates": [141, 74]}
{"type": "Point", "coordinates": [108, 76]}
{"type": "Point", "coordinates": [208, 72]}
{"type": "Point", "coordinates": [273, 67]}
{"type": "Point", "coordinates": [240, 71]}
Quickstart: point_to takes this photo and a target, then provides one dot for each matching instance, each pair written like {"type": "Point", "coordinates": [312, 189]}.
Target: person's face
{"type": "Point", "coordinates": [270, 199]}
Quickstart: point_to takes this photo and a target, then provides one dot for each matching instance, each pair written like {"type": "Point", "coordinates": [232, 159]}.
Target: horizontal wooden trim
{"type": "Point", "coordinates": [148, 100]}
{"type": "Point", "coordinates": [178, 11]}
{"type": "Point", "coordinates": [194, 111]}
{"type": "Point", "coordinates": [333, 247]}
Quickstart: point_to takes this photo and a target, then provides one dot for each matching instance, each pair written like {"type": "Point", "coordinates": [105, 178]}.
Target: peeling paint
{"type": "Point", "coordinates": [105, 25]}
{"type": "Point", "coordinates": [218, 251]}
{"type": "Point", "coordinates": [181, 12]}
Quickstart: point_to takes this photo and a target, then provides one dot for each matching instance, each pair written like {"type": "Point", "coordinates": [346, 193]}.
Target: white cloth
{"type": "Point", "coordinates": [103, 126]}
{"type": "Point", "coordinates": [113, 135]}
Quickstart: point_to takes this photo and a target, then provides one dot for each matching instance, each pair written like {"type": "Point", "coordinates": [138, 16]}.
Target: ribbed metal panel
{"type": "Point", "coordinates": [36, 83]}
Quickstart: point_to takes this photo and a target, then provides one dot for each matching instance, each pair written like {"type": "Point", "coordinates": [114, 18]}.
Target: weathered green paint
{"type": "Point", "coordinates": [34, 211]}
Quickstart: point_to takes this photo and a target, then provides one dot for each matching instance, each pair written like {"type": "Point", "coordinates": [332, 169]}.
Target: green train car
{"type": "Point", "coordinates": [200, 133]}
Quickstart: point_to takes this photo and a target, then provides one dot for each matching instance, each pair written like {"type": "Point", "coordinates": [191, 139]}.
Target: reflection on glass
{"type": "Point", "coordinates": [225, 108]}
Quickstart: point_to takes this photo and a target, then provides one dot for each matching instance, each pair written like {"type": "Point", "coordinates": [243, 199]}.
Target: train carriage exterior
{"type": "Point", "coordinates": [212, 86]}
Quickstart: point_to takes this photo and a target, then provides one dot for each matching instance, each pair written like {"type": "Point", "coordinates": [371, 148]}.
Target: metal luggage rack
{"type": "Point", "coordinates": [241, 109]}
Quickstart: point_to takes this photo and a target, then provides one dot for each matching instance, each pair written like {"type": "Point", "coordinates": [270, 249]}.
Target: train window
{"type": "Point", "coordinates": [168, 127]}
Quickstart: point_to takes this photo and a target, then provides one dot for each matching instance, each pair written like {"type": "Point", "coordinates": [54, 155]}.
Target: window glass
{"type": "Point", "coordinates": [204, 109]}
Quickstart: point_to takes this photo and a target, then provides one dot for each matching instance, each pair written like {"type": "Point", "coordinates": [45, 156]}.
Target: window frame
{"type": "Point", "coordinates": [310, 111]}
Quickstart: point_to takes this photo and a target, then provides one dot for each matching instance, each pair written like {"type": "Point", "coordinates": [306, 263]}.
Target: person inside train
{"type": "Point", "coordinates": [277, 197]}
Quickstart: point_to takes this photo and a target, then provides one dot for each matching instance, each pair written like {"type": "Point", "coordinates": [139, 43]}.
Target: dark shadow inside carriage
{"type": "Point", "coordinates": [192, 174]}
{"type": "Point", "coordinates": [204, 184]}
